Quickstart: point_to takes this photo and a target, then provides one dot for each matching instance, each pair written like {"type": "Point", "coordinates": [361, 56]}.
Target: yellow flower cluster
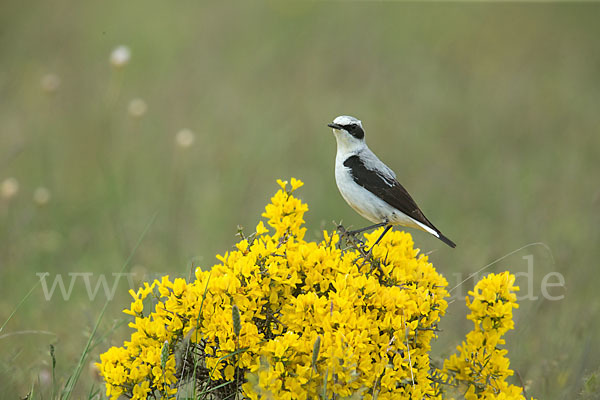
{"type": "Point", "coordinates": [140, 366]}
{"type": "Point", "coordinates": [283, 318]}
{"type": "Point", "coordinates": [481, 367]}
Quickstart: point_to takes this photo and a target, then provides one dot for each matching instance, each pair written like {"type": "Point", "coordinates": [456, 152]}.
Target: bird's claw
{"type": "Point", "coordinates": [341, 230]}
{"type": "Point", "coordinates": [349, 235]}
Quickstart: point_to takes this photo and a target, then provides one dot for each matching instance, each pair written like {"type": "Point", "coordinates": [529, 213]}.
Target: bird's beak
{"type": "Point", "coordinates": [335, 126]}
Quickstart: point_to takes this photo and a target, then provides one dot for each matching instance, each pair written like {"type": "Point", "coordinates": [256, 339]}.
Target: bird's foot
{"type": "Point", "coordinates": [344, 232]}
{"type": "Point", "coordinates": [350, 236]}
{"type": "Point", "coordinates": [341, 230]}
{"type": "Point", "coordinates": [353, 233]}
{"type": "Point", "coordinates": [359, 245]}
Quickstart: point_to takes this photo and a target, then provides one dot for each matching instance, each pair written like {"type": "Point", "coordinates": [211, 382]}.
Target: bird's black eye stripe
{"type": "Point", "coordinates": [355, 130]}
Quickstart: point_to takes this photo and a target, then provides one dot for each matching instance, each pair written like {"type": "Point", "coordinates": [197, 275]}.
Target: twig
{"type": "Point", "coordinates": [412, 377]}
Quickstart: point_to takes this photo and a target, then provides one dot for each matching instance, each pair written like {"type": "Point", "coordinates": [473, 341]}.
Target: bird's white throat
{"type": "Point", "coordinates": [347, 144]}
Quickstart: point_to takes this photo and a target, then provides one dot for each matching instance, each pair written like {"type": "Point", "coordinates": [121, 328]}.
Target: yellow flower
{"type": "Point", "coordinates": [481, 365]}
{"type": "Point", "coordinates": [260, 229]}
{"type": "Point", "coordinates": [282, 184]}
{"type": "Point", "coordinates": [296, 183]}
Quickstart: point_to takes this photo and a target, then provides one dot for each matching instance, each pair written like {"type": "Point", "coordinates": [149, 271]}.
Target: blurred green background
{"type": "Point", "coordinates": [489, 114]}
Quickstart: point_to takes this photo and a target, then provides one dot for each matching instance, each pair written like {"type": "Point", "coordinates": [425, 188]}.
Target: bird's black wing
{"type": "Point", "coordinates": [390, 191]}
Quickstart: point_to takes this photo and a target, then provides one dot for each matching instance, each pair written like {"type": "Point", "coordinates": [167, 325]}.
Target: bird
{"type": "Point", "coordinates": [370, 187]}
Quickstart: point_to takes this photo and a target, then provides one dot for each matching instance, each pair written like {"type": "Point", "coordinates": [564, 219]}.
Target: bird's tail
{"type": "Point", "coordinates": [434, 231]}
{"type": "Point", "coordinates": [444, 239]}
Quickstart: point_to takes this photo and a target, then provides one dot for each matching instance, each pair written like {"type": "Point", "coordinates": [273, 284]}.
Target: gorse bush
{"type": "Point", "coordinates": [283, 318]}
{"type": "Point", "coordinates": [481, 367]}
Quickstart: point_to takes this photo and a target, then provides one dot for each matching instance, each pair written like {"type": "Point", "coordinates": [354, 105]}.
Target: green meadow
{"type": "Point", "coordinates": [115, 174]}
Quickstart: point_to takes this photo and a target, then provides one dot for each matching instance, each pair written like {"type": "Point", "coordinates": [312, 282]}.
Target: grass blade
{"type": "Point", "coordinates": [72, 381]}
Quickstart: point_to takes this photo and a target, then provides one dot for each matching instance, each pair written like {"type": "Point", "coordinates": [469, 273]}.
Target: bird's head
{"type": "Point", "coordinates": [349, 133]}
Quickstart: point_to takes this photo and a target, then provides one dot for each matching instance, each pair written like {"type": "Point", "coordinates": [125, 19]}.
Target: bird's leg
{"type": "Point", "coordinates": [387, 228]}
{"type": "Point", "coordinates": [368, 228]}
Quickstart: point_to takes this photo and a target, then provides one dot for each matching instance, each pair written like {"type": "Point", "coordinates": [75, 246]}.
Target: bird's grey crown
{"type": "Point", "coordinates": [344, 120]}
